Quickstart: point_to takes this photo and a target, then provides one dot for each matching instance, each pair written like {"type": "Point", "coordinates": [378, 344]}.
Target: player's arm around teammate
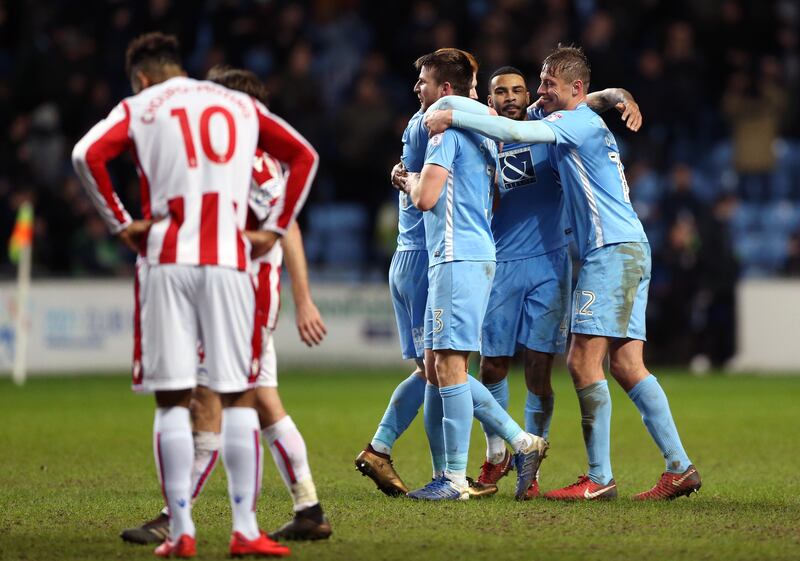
{"type": "Point", "coordinates": [608, 319]}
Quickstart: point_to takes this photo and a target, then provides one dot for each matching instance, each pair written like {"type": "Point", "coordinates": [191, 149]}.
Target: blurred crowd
{"type": "Point", "coordinates": [714, 173]}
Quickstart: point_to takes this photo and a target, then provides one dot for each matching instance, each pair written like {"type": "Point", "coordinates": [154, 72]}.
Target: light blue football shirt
{"type": "Point", "coordinates": [593, 180]}
{"type": "Point", "coordinates": [458, 227]}
{"type": "Point", "coordinates": [411, 231]}
{"type": "Point", "coordinates": [530, 219]}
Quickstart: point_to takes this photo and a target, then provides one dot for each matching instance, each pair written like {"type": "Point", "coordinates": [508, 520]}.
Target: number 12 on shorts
{"type": "Point", "coordinates": [583, 302]}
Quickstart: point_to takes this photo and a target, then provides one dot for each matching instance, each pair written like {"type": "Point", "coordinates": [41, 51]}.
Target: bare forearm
{"type": "Point", "coordinates": [294, 257]}
{"type": "Point", "coordinates": [413, 188]}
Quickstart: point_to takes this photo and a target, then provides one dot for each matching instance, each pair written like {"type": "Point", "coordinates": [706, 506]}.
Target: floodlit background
{"type": "Point", "coordinates": [714, 173]}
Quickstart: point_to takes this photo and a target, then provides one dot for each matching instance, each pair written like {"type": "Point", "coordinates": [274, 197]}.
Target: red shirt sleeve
{"type": "Point", "coordinates": [104, 142]}
{"type": "Point", "coordinates": [280, 140]}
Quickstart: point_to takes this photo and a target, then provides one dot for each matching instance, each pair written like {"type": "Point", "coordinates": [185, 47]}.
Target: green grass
{"type": "Point", "coordinates": [77, 467]}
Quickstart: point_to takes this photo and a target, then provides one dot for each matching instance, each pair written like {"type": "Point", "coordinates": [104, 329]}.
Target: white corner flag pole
{"type": "Point", "coordinates": [21, 328]}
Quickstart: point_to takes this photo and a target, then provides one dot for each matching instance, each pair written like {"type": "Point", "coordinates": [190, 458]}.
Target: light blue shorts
{"type": "Point", "coordinates": [408, 284]}
{"type": "Point", "coordinates": [529, 305]}
{"type": "Point", "coordinates": [457, 298]}
{"type": "Point", "coordinates": [610, 298]}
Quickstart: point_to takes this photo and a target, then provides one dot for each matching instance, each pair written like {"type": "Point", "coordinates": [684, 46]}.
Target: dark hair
{"type": "Point", "coordinates": [151, 52]}
{"type": "Point", "coordinates": [239, 80]}
{"type": "Point", "coordinates": [569, 62]}
{"type": "Point", "coordinates": [449, 65]}
{"type": "Point", "coordinates": [503, 70]}
{"type": "Point", "coordinates": [473, 62]}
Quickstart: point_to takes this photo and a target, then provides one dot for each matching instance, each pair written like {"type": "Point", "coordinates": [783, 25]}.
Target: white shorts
{"type": "Point", "coordinates": [268, 373]}
{"type": "Point", "coordinates": [267, 281]}
{"type": "Point", "coordinates": [179, 305]}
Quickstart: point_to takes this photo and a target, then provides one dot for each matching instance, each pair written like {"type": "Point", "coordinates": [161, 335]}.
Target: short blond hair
{"type": "Point", "coordinates": [570, 63]}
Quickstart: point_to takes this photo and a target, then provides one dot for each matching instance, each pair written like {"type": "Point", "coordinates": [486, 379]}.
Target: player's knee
{"type": "Point", "coordinates": [625, 368]}
{"type": "Point", "coordinates": [575, 364]}
{"type": "Point", "coordinates": [538, 368]}
{"type": "Point", "coordinates": [493, 370]}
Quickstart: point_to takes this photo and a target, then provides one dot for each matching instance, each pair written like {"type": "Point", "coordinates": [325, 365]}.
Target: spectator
{"type": "Point", "coordinates": [719, 273]}
{"type": "Point", "coordinates": [753, 108]}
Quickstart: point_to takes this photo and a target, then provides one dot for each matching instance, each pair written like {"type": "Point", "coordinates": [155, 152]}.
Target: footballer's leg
{"type": "Point", "coordinates": [539, 401]}
{"type": "Point", "coordinates": [545, 327]}
{"type": "Point", "coordinates": [242, 455]}
{"type": "Point", "coordinates": [206, 415]}
{"type": "Point", "coordinates": [501, 326]}
{"type": "Point", "coordinates": [172, 443]}
{"type": "Point", "coordinates": [288, 449]}
{"type": "Point", "coordinates": [451, 369]}
{"type": "Point", "coordinates": [680, 476]}
{"type": "Point", "coordinates": [408, 283]}
{"type": "Point", "coordinates": [169, 368]}
{"type": "Point", "coordinates": [375, 460]}
{"type": "Point", "coordinates": [433, 414]}
{"type": "Point", "coordinates": [232, 340]}
{"type": "Point", "coordinates": [206, 410]}
{"type": "Point", "coordinates": [585, 363]}
{"type": "Point", "coordinates": [630, 262]}
{"type": "Point", "coordinates": [494, 375]}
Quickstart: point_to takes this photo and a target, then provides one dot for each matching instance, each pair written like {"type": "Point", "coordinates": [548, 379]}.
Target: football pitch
{"type": "Point", "coordinates": [77, 468]}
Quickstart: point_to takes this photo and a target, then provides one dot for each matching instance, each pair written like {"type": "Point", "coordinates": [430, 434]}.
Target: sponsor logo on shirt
{"type": "Point", "coordinates": [516, 168]}
{"type": "Point", "coordinates": [436, 139]}
{"type": "Point", "coordinates": [553, 117]}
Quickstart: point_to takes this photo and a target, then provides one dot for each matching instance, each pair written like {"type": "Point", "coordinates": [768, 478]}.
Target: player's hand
{"type": "Point", "coordinates": [261, 241]}
{"type": "Point", "coordinates": [536, 104]}
{"type": "Point", "coordinates": [439, 121]}
{"type": "Point", "coordinates": [631, 114]}
{"type": "Point", "coordinates": [399, 175]}
{"type": "Point", "coordinates": [134, 234]}
{"type": "Point", "coordinates": [310, 326]}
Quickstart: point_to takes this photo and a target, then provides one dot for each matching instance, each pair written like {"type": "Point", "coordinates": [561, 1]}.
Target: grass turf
{"type": "Point", "coordinates": [77, 467]}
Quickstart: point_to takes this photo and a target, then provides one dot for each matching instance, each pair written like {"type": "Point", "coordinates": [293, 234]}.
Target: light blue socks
{"type": "Point", "coordinates": [595, 402]}
{"type": "Point", "coordinates": [651, 401]}
{"type": "Point", "coordinates": [491, 414]}
{"type": "Point", "coordinates": [538, 414]}
{"type": "Point", "coordinates": [403, 407]}
{"type": "Point", "coordinates": [433, 414]}
{"type": "Point", "coordinates": [499, 392]}
{"type": "Point", "coordinates": [456, 425]}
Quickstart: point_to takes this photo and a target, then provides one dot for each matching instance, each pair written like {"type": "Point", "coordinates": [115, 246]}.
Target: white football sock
{"type": "Point", "coordinates": [495, 449]}
{"type": "Point", "coordinates": [242, 456]}
{"type": "Point", "coordinates": [289, 452]}
{"type": "Point", "coordinates": [206, 454]}
{"type": "Point", "coordinates": [174, 453]}
{"type": "Point", "coordinates": [457, 478]}
{"type": "Point", "coordinates": [522, 440]}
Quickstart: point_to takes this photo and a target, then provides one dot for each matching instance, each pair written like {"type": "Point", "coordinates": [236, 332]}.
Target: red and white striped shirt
{"type": "Point", "coordinates": [267, 197]}
{"type": "Point", "coordinates": [193, 143]}
{"type": "Point", "coordinates": [269, 188]}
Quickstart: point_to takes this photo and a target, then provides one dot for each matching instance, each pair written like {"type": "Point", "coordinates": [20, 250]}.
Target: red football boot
{"type": "Point", "coordinates": [492, 473]}
{"type": "Point", "coordinates": [672, 485]}
{"type": "Point", "coordinates": [533, 491]}
{"type": "Point", "coordinates": [186, 546]}
{"type": "Point", "coordinates": [261, 546]}
{"type": "Point", "coordinates": [584, 490]}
